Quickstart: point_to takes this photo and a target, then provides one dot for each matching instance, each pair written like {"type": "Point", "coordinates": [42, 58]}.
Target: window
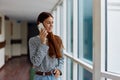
{"type": "Point", "coordinates": [106, 39]}
{"type": "Point", "coordinates": [84, 74]}
{"type": "Point", "coordinates": [69, 38]}
{"type": "Point", "coordinates": [85, 26]}
{"type": "Point", "coordinates": [69, 69]}
{"type": "Point", "coordinates": [69, 26]}
{"type": "Point", "coordinates": [112, 36]}
{"type": "Point", "coordinates": [85, 29]}
{"type": "Point", "coordinates": [61, 20]}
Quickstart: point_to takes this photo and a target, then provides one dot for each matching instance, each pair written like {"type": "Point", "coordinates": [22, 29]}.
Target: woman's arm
{"type": "Point", "coordinates": [37, 51]}
{"type": "Point", "coordinates": [60, 64]}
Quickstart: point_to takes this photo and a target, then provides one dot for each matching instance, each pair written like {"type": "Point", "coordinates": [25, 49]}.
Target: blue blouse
{"type": "Point", "coordinates": [40, 58]}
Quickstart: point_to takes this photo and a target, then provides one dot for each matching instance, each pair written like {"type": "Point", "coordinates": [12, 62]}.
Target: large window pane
{"type": "Point", "coordinates": [113, 39]}
{"type": "Point", "coordinates": [85, 26]}
{"type": "Point", "coordinates": [55, 21]}
{"type": "Point", "coordinates": [69, 69]}
{"type": "Point", "coordinates": [84, 74]}
{"type": "Point", "coordinates": [61, 20]}
{"type": "Point", "coordinates": [69, 26]}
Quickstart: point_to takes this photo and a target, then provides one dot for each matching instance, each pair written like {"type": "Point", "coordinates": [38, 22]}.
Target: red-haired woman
{"type": "Point", "coordinates": [46, 50]}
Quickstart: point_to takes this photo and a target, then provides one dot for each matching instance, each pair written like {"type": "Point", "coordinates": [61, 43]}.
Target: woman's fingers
{"type": "Point", "coordinates": [57, 73]}
{"type": "Point", "coordinates": [43, 31]}
{"type": "Point", "coordinates": [43, 34]}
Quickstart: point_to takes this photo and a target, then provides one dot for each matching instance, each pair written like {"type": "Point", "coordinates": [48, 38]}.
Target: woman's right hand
{"type": "Point", "coordinates": [43, 34]}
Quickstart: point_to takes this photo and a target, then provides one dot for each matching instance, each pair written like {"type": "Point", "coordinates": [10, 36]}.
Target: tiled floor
{"type": "Point", "coordinates": [16, 69]}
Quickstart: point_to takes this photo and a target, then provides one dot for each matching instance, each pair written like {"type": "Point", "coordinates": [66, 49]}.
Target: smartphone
{"type": "Point", "coordinates": [40, 26]}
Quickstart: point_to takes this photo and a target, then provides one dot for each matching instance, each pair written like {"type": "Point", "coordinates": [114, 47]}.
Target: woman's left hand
{"type": "Point", "coordinates": [56, 73]}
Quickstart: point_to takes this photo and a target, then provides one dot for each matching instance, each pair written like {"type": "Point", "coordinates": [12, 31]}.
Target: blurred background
{"type": "Point", "coordinates": [89, 30]}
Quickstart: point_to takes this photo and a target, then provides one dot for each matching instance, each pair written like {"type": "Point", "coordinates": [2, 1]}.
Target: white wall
{"type": "Point", "coordinates": [15, 30]}
{"type": "Point", "coordinates": [16, 35]}
{"type": "Point", "coordinates": [2, 39]}
{"type": "Point", "coordinates": [8, 38]}
{"type": "Point", "coordinates": [2, 58]}
{"type": "Point", "coordinates": [24, 37]}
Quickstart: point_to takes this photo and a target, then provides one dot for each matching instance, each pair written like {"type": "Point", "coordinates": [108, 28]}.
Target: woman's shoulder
{"type": "Point", "coordinates": [58, 37]}
{"type": "Point", "coordinates": [35, 38]}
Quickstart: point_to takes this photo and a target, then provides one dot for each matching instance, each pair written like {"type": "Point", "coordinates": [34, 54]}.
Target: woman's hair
{"type": "Point", "coordinates": [55, 45]}
{"type": "Point", "coordinates": [54, 42]}
{"type": "Point", "coordinates": [42, 16]}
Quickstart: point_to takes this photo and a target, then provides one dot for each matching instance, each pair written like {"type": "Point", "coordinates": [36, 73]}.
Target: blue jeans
{"type": "Point", "coordinates": [51, 77]}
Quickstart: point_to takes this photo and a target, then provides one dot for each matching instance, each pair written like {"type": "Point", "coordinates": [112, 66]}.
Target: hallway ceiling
{"type": "Point", "coordinates": [25, 9]}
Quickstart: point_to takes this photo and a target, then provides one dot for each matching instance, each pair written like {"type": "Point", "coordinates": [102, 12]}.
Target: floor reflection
{"type": "Point", "coordinates": [16, 68]}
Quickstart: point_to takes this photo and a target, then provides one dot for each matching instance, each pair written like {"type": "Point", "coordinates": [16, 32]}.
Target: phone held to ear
{"type": "Point", "coordinates": [40, 26]}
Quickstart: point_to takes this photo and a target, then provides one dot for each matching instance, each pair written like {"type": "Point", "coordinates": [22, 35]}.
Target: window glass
{"type": "Point", "coordinates": [55, 21]}
{"type": "Point", "coordinates": [69, 69]}
{"type": "Point", "coordinates": [112, 36]}
{"type": "Point", "coordinates": [69, 26]}
{"type": "Point", "coordinates": [85, 26]}
{"type": "Point", "coordinates": [61, 20]}
{"type": "Point", "coordinates": [84, 74]}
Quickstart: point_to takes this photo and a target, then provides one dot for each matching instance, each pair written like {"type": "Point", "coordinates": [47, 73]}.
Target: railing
{"type": "Point", "coordinates": [89, 67]}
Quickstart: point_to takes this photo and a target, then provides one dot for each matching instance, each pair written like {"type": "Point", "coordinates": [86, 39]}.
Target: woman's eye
{"type": "Point", "coordinates": [48, 23]}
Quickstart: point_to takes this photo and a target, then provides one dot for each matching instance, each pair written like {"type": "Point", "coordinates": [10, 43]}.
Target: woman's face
{"type": "Point", "coordinates": [48, 24]}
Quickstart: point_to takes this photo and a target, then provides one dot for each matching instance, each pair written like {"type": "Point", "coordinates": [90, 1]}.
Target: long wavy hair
{"type": "Point", "coordinates": [54, 42]}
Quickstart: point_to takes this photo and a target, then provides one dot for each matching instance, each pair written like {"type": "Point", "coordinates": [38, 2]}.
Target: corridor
{"type": "Point", "coordinates": [16, 68]}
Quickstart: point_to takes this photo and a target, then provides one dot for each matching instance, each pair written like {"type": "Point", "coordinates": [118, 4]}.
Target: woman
{"type": "Point", "coordinates": [46, 50]}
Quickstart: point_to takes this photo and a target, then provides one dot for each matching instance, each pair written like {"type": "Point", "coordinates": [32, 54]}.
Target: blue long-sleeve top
{"type": "Point", "coordinates": [40, 58]}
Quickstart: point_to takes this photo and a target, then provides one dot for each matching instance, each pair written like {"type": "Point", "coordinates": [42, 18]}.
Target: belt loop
{"type": "Point", "coordinates": [51, 71]}
{"type": "Point", "coordinates": [43, 73]}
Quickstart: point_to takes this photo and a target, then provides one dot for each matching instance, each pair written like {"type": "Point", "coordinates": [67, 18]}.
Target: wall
{"type": "Point", "coordinates": [24, 34]}
{"type": "Point", "coordinates": [8, 38]}
{"type": "Point", "coordinates": [2, 42]}
{"type": "Point", "coordinates": [16, 38]}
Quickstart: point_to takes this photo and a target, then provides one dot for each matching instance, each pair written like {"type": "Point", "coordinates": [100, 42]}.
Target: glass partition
{"type": "Point", "coordinates": [112, 33]}
{"type": "Point", "coordinates": [85, 30]}
{"type": "Point", "coordinates": [69, 21]}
